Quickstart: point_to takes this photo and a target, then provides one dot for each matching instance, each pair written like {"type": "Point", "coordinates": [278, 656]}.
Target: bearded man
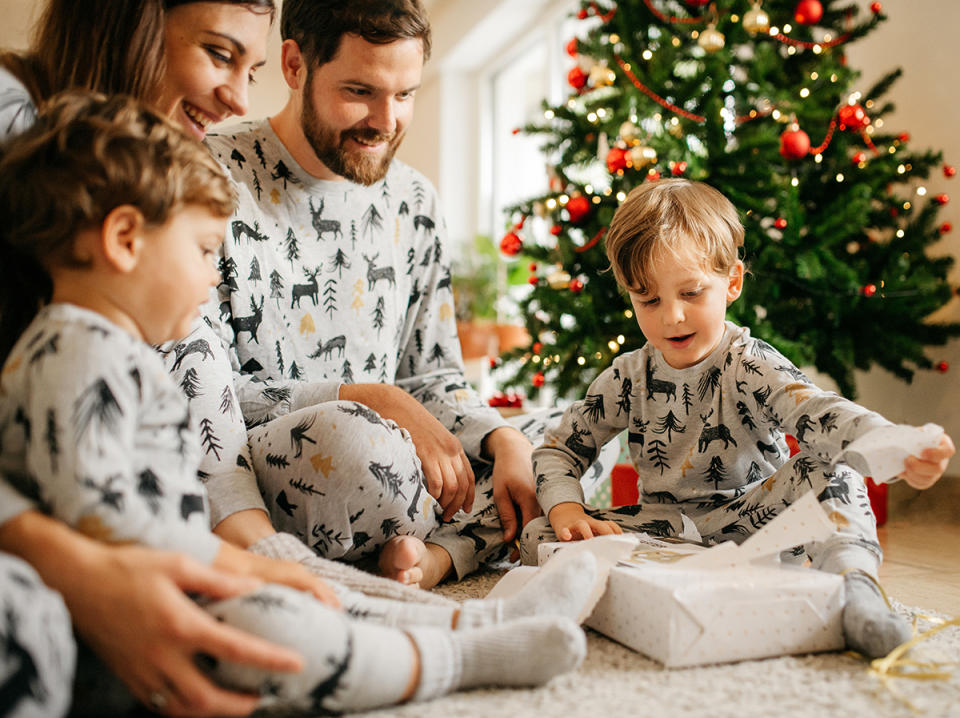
{"type": "Point", "coordinates": [337, 313]}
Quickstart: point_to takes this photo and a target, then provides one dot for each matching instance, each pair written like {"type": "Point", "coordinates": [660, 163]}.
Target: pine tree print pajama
{"type": "Point", "coordinates": [38, 651]}
{"type": "Point", "coordinates": [326, 283]}
{"type": "Point", "coordinates": [96, 433]}
{"type": "Point", "coordinates": [709, 443]}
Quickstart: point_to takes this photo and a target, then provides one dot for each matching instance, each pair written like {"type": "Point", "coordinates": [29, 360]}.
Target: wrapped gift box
{"type": "Point", "coordinates": [686, 605]}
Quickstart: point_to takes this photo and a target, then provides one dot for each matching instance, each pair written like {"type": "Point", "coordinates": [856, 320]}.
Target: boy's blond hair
{"type": "Point", "coordinates": [672, 217]}
{"type": "Point", "coordinates": [85, 156]}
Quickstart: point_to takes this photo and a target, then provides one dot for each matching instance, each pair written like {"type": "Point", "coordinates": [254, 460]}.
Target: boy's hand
{"type": "Point", "coordinates": [922, 472]}
{"type": "Point", "coordinates": [571, 523]}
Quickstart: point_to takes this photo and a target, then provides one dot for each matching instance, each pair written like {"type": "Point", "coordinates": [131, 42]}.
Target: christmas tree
{"type": "Point", "coordinates": [758, 101]}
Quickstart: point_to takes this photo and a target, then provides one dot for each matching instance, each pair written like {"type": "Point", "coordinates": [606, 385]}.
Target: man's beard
{"type": "Point", "coordinates": [328, 145]}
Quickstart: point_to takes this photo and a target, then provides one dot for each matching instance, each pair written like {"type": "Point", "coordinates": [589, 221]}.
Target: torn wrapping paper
{"type": "Point", "coordinates": [686, 605]}
{"type": "Point", "coordinates": [882, 451]}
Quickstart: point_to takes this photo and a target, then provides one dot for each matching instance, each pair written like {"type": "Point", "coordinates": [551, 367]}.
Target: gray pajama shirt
{"type": "Point", "coordinates": [708, 443]}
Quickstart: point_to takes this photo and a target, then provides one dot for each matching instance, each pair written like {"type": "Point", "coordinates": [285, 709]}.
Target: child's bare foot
{"type": "Point", "coordinates": [409, 560]}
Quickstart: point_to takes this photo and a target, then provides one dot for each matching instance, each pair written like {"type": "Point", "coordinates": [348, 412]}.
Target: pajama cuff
{"type": "Point", "coordinates": [230, 493]}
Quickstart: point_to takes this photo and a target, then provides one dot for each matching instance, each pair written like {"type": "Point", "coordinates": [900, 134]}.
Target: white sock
{"type": "Point", "coordinates": [561, 587]}
{"type": "Point", "coordinates": [869, 626]}
{"type": "Point", "coordinates": [526, 652]}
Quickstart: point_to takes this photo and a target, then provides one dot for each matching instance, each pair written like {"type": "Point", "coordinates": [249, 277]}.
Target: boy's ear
{"type": "Point", "coordinates": [121, 237]}
{"type": "Point", "coordinates": [293, 64]}
{"type": "Point", "coordinates": [735, 283]}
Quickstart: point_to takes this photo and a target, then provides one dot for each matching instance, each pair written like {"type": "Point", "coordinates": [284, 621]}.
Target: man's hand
{"type": "Point", "coordinates": [571, 523]}
{"type": "Point", "coordinates": [513, 485]}
{"type": "Point", "coordinates": [922, 472]}
{"type": "Point", "coordinates": [445, 466]}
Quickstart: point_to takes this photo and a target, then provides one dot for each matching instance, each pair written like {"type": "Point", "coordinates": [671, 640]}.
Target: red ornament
{"type": "Point", "coordinates": [577, 78]}
{"type": "Point", "coordinates": [945, 227]}
{"type": "Point", "coordinates": [534, 280]}
{"type": "Point", "coordinates": [794, 144]}
{"type": "Point", "coordinates": [538, 379]}
{"type": "Point", "coordinates": [511, 244]}
{"type": "Point", "coordinates": [808, 12]}
{"type": "Point", "coordinates": [859, 157]}
{"type": "Point", "coordinates": [533, 266]}
{"type": "Point", "coordinates": [678, 168]}
{"type": "Point", "coordinates": [576, 286]}
{"type": "Point", "coordinates": [780, 223]}
{"type": "Point", "coordinates": [904, 137]}
{"type": "Point", "coordinates": [942, 367]}
{"type": "Point", "coordinates": [697, 3]}
{"type": "Point", "coordinates": [616, 160]}
{"type": "Point", "coordinates": [875, 8]}
{"type": "Point", "coordinates": [653, 175]}
{"type": "Point", "coordinates": [894, 212]}
{"type": "Point", "coordinates": [582, 14]}
{"type": "Point", "coordinates": [853, 117]}
{"type": "Point", "coordinates": [555, 230]}
{"type": "Point", "coordinates": [941, 199]}
{"type": "Point", "coordinates": [572, 47]}
{"type": "Point", "coordinates": [949, 171]}
{"type": "Point", "coordinates": [869, 290]}
{"type": "Point", "coordinates": [494, 363]}
{"type": "Point", "coordinates": [537, 346]}
{"type": "Point", "coordinates": [578, 208]}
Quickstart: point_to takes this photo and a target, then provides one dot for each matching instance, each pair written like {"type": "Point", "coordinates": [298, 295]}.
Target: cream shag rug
{"type": "Point", "coordinates": [614, 681]}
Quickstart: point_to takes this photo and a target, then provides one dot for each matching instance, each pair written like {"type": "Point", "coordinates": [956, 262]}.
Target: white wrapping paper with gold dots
{"type": "Point", "coordinates": [685, 605]}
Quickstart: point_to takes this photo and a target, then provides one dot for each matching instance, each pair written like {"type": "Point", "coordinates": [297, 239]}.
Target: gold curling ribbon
{"type": "Point", "coordinates": [894, 665]}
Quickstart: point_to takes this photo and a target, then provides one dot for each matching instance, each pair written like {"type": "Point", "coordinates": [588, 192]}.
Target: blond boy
{"type": "Point", "coordinates": [707, 407]}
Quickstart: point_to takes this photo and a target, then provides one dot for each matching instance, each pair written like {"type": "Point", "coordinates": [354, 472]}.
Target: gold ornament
{"type": "Point", "coordinates": [711, 39]}
{"type": "Point", "coordinates": [630, 133]}
{"type": "Point", "coordinates": [602, 76]}
{"type": "Point", "coordinates": [756, 20]}
{"type": "Point", "coordinates": [558, 279]}
{"type": "Point", "coordinates": [642, 155]}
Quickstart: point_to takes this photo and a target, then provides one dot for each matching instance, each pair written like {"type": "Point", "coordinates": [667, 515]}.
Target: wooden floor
{"type": "Point", "coordinates": [921, 544]}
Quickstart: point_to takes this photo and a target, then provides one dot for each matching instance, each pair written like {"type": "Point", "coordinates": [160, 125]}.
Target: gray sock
{"type": "Point", "coordinates": [527, 652]}
{"type": "Point", "coordinates": [869, 626]}
{"type": "Point", "coordinates": [561, 587]}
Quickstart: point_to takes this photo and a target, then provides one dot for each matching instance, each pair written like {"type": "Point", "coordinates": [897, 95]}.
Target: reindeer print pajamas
{"type": "Point", "coordinates": [325, 283]}
{"type": "Point", "coordinates": [709, 445]}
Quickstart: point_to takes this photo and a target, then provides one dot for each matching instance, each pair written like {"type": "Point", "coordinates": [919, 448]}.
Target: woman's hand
{"type": "Point", "coordinates": [270, 570]}
{"type": "Point", "coordinates": [130, 604]}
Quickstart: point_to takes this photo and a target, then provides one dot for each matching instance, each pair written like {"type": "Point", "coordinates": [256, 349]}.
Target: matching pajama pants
{"type": "Point", "coordinates": [842, 493]}
{"type": "Point", "coordinates": [345, 481]}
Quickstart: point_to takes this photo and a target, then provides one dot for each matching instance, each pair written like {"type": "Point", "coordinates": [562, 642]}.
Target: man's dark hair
{"type": "Point", "coordinates": [318, 25]}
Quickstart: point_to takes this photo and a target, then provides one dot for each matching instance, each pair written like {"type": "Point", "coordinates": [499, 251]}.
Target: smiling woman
{"type": "Point", "coordinates": [193, 61]}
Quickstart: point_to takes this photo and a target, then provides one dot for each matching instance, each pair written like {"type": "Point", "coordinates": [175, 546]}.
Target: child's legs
{"type": "Point", "coordinates": [336, 651]}
{"type": "Point", "coordinates": [38, 653]}
{"type": "Point", "coordinates": [842, 494]}
{"type": "Point", "coordinates": [353, 665]}
{"type": "Point", "coordinates": [342, 479]}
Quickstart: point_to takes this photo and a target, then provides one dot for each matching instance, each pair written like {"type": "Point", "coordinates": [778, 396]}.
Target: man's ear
{"type": "Point", "coordinates": [735, 283]}
{"type": "Point", "coordinates": [293, 65]}
{"type": "Point", "coordinates": [121, 237]}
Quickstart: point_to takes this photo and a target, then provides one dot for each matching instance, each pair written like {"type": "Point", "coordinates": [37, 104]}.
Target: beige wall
{"type": "Point", "coordinates": [919, 37]}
